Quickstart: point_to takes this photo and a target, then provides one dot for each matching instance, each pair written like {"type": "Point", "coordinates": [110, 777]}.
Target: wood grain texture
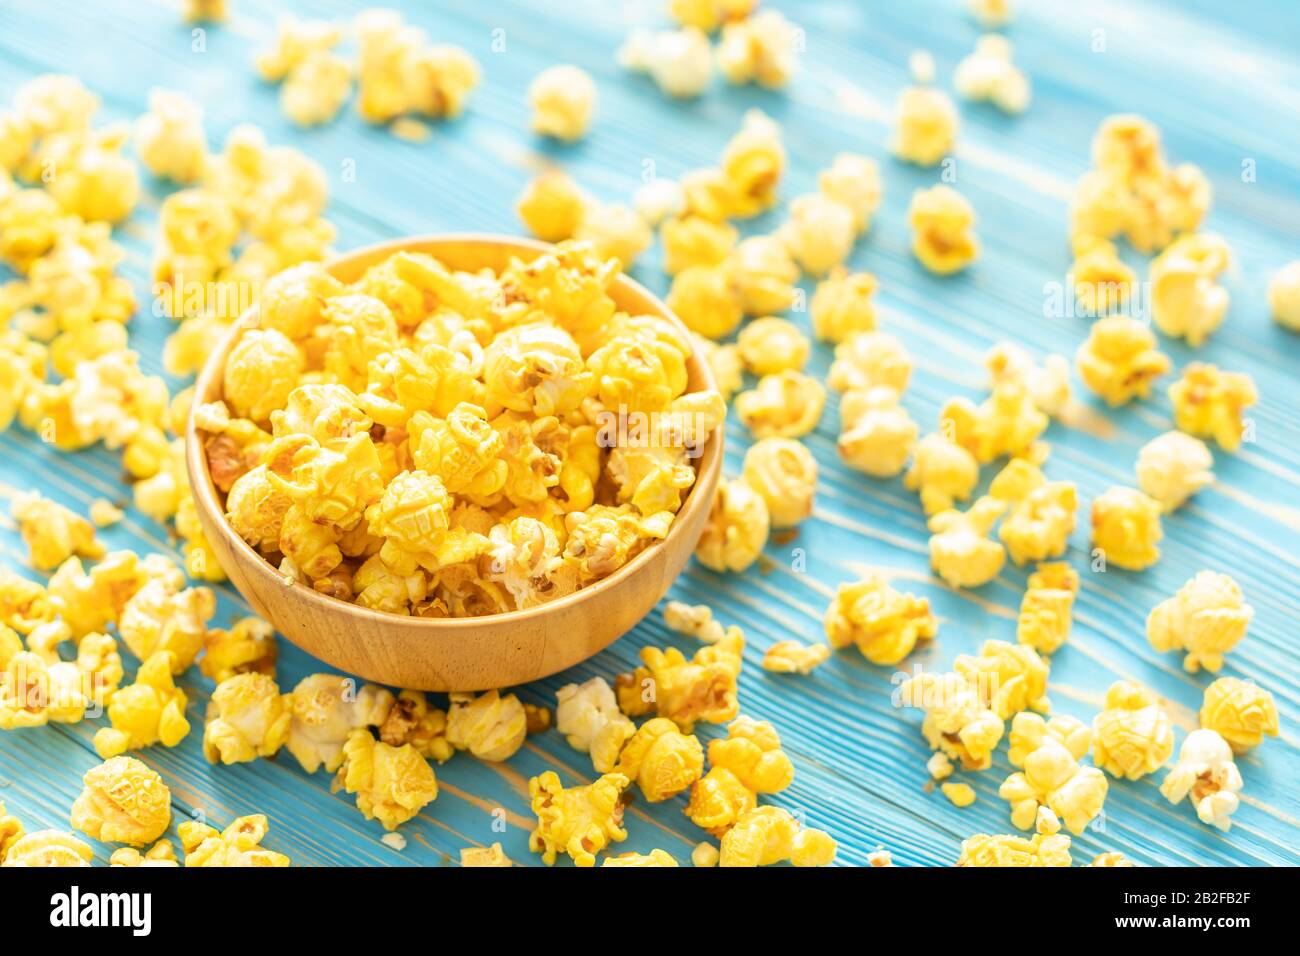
{"type": "Point", "coordinates": [1223, 85]}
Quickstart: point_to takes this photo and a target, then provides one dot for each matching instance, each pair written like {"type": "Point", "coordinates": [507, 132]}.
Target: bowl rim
{"type": "Point", "coordinates": [208, 383]}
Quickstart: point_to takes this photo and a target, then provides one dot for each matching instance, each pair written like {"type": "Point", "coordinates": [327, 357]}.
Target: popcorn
{"type": "Point", "coordinates": [764, 273]}
{"type": "Point", "coordinates": [411, 720]}
{"type": "Point", "coordinates": [783, 405]}
{"type": "Point", "coordinates": [943, 225]}
{"type": "Point", "coordinates": [1049, 752]}
{"type": "Point", "coordinates": [249, 645]}
{"type": "Point", "coordinates": [1205, 774]}
{"type": "Point", "coordinates": [88, 601]}
{"type": "Point", "coordinates": [695, 241]}
{"type": "Point", "coordinates": [988, 74]}
{"type": "Point", "coordinates": [853, 181]}
{"type": "Point", "coordinates": [864, 360]}
{"type": "Point", "coordinates": [679, 61]}
{"type": "Point", "coordinates": [752, 164]}
{"type": "Point", "coordinates": [489, 726]}
{"type": "Point", "coordinates": [1048, 384]}
{"type": "Point", "coordinates": [1284, 296]}
{"type": "Point", "coordinates": [484, 856]}
{"type": "Point", "coordinates": [991, 13]}
{"type": "Point", "coordinates": [695, 621]}
{"type": "Point", "coordinates": [939, 766]}
{"type": "Point", "coordinates": [1004, 850]}
{"type": "Point", "coordinates": [795, 657]}
{"type": "Point", "coordinates": [702, 688]}
{"type": "Point", "coordinates": [1119, 359]}
{"type": "Point", "coordinates": [1185, 300]}
{"type": "Point", "coordinates": [877, 435]}
{"type": "Point", "coordinates": [767, 835]}
{"type": "Point", "coordinates": [578, 821]}
{"type": "Point", "coordinates": [1044, 620]}
{"type": "Point", "coordinates": [162, 617]}
{"type": "Point", "coordinates": [552, 206]}
{"type": "Point", "coordinates": [122, 801]}
{"type": "Point", "coordinates": [653, 858]}
{"type": "Point", "coordinates": [661, 759]}
{"type": "Point", "coordinates": [658, 200]}
{"type": "Point", "coordinates": [771, 345]}
{"type": "Point", "coordinates": [707, 300]}
{"type": "Point", "coordinates": [316, 89]}
{"type": "Point", "coordinates": [1172, 467]}
{"type": "Point", "coordinates": [1110, 859]}
{"type": "Point", "coordinates": [819, 233]}
{"type": "Point", "coordinates": [960, 550]}
{"type": "Point", "coordinates": [1132, 736]}
{"type": "Point", "coordinates": [1126, 528]}
{"type": "Point", "coordinates": [784, 473]}
{"type": "Point", "coordinates": [960, 795]}
{"type": "Point", "coordinates": [1209, 403]}
{"type": "Point", "coordinates": [1239, 711]}
{"type": "Point", "coordinates": [247, 718]}
{"type": "Point", "coordinates": [942, 471]}
{"type": "Point", "coordinates": [588, 716]}
{"type": "Point", "coordinates": [736, 530]}
{"type": "Point", "coordinates": [842, 305]}
{"type": "Point", "coordinates": [53, 532]}
{"type": "Point", "coordinates": [105, 514]}
{"type": "Point", "coordinates": [325, 710]}
{"type": "Point", "coordinates": [1007, 423]}
{"type": "Point", "coordinates": [170, 139]}
{"type": "Point", "coordinates": [958, 721]}
{"type": "Point", "coordinates": [760, 49]}
{"type": "Point", "coordinates": [238, 845]}
{"type": "Point", "coordinates": [400, 73]}
{"type": "Point", "coordinates": [296, 41]}
{"type": "Point", "coordinates": [1040, 521]}
{"type": "Point", "coordinates": [1207, 617]}
{"type": "Point", "coordinates": [885, 624]}
{"type": "Point", "coordinates": [1010, 677]}
{"type": "Point", "coordinates": [392, 784]}
{"type": "Point", "coordinates": [147, 712]}
{"type": "Point", "coordinates": [705, 855]}
{"type": "Point", "coordinates": [260, 372]}
{"type": "Point", "coordinates": [614, 232]}
{"type": "Point", "coordinates": [708, 15]}
{"type": "Point", "coordinates": [48, 848]}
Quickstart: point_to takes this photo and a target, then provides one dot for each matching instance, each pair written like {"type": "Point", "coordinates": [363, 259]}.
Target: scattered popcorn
{"type": "Point", "coordinates": [578, 821]}
{"type": "Point", "coordinates": [552, 206]}
{"type": "Point", "coordinates": [768, 835]}
{"type": "Point", "coordinates": [819, 233]}
{"type": "Point", "coordinates": [147, 712]}
{"type": "Point", "coordinates": [247, 718]}
{"type": "Point", "coordinates": [1049, 752]}
{"type": "Point", "coordinates": [653, 858]}
{"type": "Point", "coordinates": [749, 761]}
{"type": "Point", "coordinates": [939, 766]}
{"type": "Point", "coordinates": [105, 514]}
{"type": "Point", "coordinates": [1126, 528]}
{"type": "Point", "coordinates": [880, 858]}
{"type": "Point", "coordinates": [1047, 384]}
{"type": "Point", "coordinates": [695, 241]}
{"type": "Point", "coordinates": [1045, 609]}
{"type": "Point", "coordinates": [737, 528]}
{"type": "Point", "coordinates": [1206, 618]}
{"type": "Point", "coordinates": [1102, 280]}
{"type": "Point", "coordinates": [161, 854]}
{"type": "Point", "coordinates": [960, 795]}
{"type": "Point", "coordinates": [1240, 711]}
{"type": "Point", "coordinates": [1186, 300]}
{"type": "Point", "coordinates": [877, 435]}
{"type": "Point", "coordinates": [170, 138]}
{"type": "Point", "coordinates": [795, 657]}
{"type": "Point", "coordinates": [926, 127]}
{"type": "Point", "coordinates": [1009, 677]}
{"type": "Point", "coordinates": [1205, 774]}
{"type": "Point", "coordinates": [770, 345]}
{"type": "Point", "coordinates": [991, 13]}
{"type": "Point", "coordinates": [702, 688]}
{"type": "Point", "coordinates": [853, 181]}
{"type": "Point", "coordinates": [751, 168]}
{"type": "Point", "coordinates": [960, 550]}
{"type": "Point", "coordinates": [614, 231]}
{"type": "Point", "coordinates": [707, 300]}
{"type": "Point", "coordinates": [50, 848]}
{"type": "Point", "coordinates": [399, 72]}
{"type": "Point", "coordinates": [53, 533]}
{"type": "Point", "coordinates": [1007, 423]}
{"type": "Point", "coordinates": [679, 61]}
{"type": "Point", "coordinates": [160, 616]}
{"type": "Point", "coordinates": [867, 359]}
{"type": "Point", "coordinates": [942, 471]}
{"type": "Point", "coordinates": [205, 11]}
{"type": "Point", "coordinates": [484, 856]}
{"type": "Point", "coordinates": [661, 759]}
{"type": "Point", "coordinates": [326, 709]}
{"type": "Point", "coordinates": [988, 74]}
{"type": "Point", "coordinates": [705, 855]}
{"type": "Point", "coordinates": [842, 305]}
{"type": "Point", "coordinates": [392, 784]}
{"type": "Point", "coordinates": [489, 726]}
{"type": "Point", "coordinates": [238, 845]}
{"type": "Point", "coordinates": [1172, 467]}
{"type": "Point", "coordinates": [658, 200]}
{"type": "Point", "coordinates": [1004, 850]}
{"type": "Point", "coordinates": [249, 645]}
{"type": "Point", "coordinates": [1119, 359]}
{"type": "Point", "coordinates": [316, 89]}
{"type": "Point", "coordinates": [411, 720]}
{"type": "Point", "coordinates": [1132, 736]}
{"type": "Point", "coordinates": [783, 405]}
{"type": "Point", "coordinates": [1209, 403]}
{"type": "Point", "coordinates": [724, 362]}
{"type": "Point", "coordinates": [1284, 296]}
{"type": "Point", "coordinates": [694, 621]}
{"type": "Point", "coordinates": [760, 49]}
{"type": "Point", "coordinates": [784, 473]}
{"type": "Point", "coordinates": [1041, 518]}
{"type": "Point", "coordinates": [943, 230]}
{"type": "Point", "coordinates": [885, 624]}
{"type": "Point", "coordinates": [764, 273]}
{"type": "Point", "coordinates": [958, 721]}
{"type": "Point", "coordinates": [122, 801]}
{"type": "Point", "coordinates": [563, 100]}
{"type": "Point", "coordinates": [589, 717]}
{"type": "Point", "coordinates": [1110, 859]}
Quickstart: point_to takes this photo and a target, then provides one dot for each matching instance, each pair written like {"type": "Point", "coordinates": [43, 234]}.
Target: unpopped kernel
{"type": "Point", "coordinates": [1132, 736]}
{"type": "Point", "coordinates": [1205, 774]}
{"type": "Point", "coordinates": [1207, 618]}
{"type": "Point", "coordinates": [1240, 711]}
{"type": "Point", "coordinates": [1172, 467]}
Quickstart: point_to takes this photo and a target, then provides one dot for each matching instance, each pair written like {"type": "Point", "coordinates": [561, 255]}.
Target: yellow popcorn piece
{"type": "Point", "coordinates": [614, 231]}
{"type": "Point", "coordinates": [160, 616]}
{"type": "Point", "coordinates": [988, 74]}
{"type": "Point", "coordinates": [484, 856]}
{"type": "Point", "coordinates": [885, 624]}
{"type": "Point", "coordinates": [695, 241]}
{"type": "Point", "coordinates": [767, 835]}
{"type": "Point", "coordinates": [942, 471]}
{"type": "Point", "coordinates": [161, 854]}
{"type": "Point", "coordinates": [736, 530]}
{"type": "Point", "coordinates": [1110, 859]}
{"type": "Point", "coordinates": [926, 125]}
{"type": "Point", "coordinates": [1010, 677]}
{"type": "Point", "coordinates": [399, 72]}
{"type": "Point", "coordinates": [89, 601]}
{"type": "Point", "coordinates": [1239, 711]}
{"type": "Point", "coordinates": [24, 604]}
{"type": "Point", "coordinates": [392, 784]}
{"type": "Point", "coordinates": [1119, 360]}
{"type": "Point", "coordinates": [653, 858]}
{"type": "Point", "coordinates": [842, 306]}
{"type": "Point", "coordinates": [1044, 619]}
{"type": "Point", "coordinates": [316, 89]}
{"type": "Point", "coordinates": [260, 372]}
{"type": "Point", "coordinates": [877, 435]}
{"type": "Point", "coordinates": [48, 848]}
{"type": "Point", "coordinates": [707, 299]}
{"type": "Point", "coordinates": [1206, 775]}
{"type": "Point", "coordinates": [1008, 850]}
{"type": "Point", "coordinates": [147, 712]}
{"type": "Point", "coordinates": [552, 206]}
{"type": "Point", "coordinates": [169, 139]}
{"type": "Point", "coordinates": [694, 621]}
{"type": "Point", "coordinates": [679, 61]}
{"type": "Point", "coordinates": [247, 718]}
{"type": "Point", "coordinates": [238, 845]}
{"type": "Point", "coordinates": [658, 200]}
{"type": "Point", "coordinates": [708, 15]}
{"type": "Point", "coordinates": [578, 821]}
{"type": "Point", "coordinates": [1052, 777]}
{"type": "Point", "coordinates": [1048, 384]}
{"type": "Point", "coordinates": [819, 233]}
{"type": "Point", "coordinates": [412, 720]}
{"type": "Point", "coordinates": [752, 753]}
{"type": "Point", "coordinates": [1041, 519]}
{"type": "Point", "coordinates": [296, 41]}
{"type": "Point", "coordinates": [960, 795]}
{"type": "Point", "coordinates": [705, 855]}
{"type": "Point", "coordinates": [1007, 423]}
{"type": "Point", "coordinates": [865, 360]}
{"type": "Point", "coordinates": [589, 717]}
{"type": "Point", "coordinates": [1102, 280]}
{"type": "Point", "coordinates": [783, 405]}
{"type": "Point", "coordinates": [325, 710]}
{"type": "Point", "coordinates": [53, 533]}
{"type": "Point", "coordinates": [1284, 296]}
{"type": "Point", "coordinates": [105, 514]}
{"type": "Point", "coordinates": [764, 273]}
{"type": "Point", "coordinates": [1172, 467]}
{"type": "Point", "coordinates": [248, 645]}
{"type": "Point", "coordinates": [1186, 300]}
{"type": "Point", "coordinates": [687, 690]}
{"type": "Point", "coordinates": [853, 181]}
{"type": "Point", "coordinates": [760, 49]}
{"type": "Point", "coordinates": [1209, 403]}
{"type": "Point", "coordinates": [11, 830]}
{"type": "Point", "coordinates": [795, 657]}
{"type": "Point", "coordinates": [784, 473]}
{"type": "Point", "coordinates": [1207, 618]}
{"type": "Point", "coordinates": [1132, 736]}
{"type": "Point", "coordinates": [960, 550]}
{"type": "Point", "coordinates": [1126, 528]}
{"type": "Point", "coordinates": [489, 726]}
{"type": "Point", "coordinates": [122, 801]}
{"type": "Point", "coordinates": [958, 721]}
{"type": "Point", "coordinates": [770, 345]}
{"type": "Point", "coordinates": [939, 766]}
{"type": "Point", "coordinates": [661, 759]}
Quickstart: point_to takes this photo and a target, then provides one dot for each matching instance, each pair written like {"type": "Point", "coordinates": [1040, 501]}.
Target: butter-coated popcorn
{"type": "Point", "coordinates": [1240, 711]}
{"type": "Point", "coordinates": [867, 359]}
{"type": "Point", "coordinates": [784, 473]}
{"type": "Point", "coordinates": [695, 621]}
{"type": "Point", "coordinates": [842, 305]}
{"type": "Point", "coordinates": [885, 624]}
{"type": "Point", "coordinates": [653, 858]}
{"type": "Point", "coordinates": [658, 200]}
{"type": "Point", "coordinates": [767, 835]}
{"type": "Point", "coordinates": [1126, 528]}
{"type": "Point", "coordinates": [1284, 296]}
{"type": "Point", "coordinates": [960, 795]}
{"type": "Point", "coordinates": [122, 801]}
{"type": "Point", "coordinates": [485, 856]}
{"type": "Point", "coordinates": [707, 299]}
{"type": "Point", "coordinates": [489, 726]}
{"type": "Point", "coordinates": [819, 233]}
{"type": "Point", "coordinates": [1172, 467]}
{"type": "Point", "coordinates": [687, 690]}
{"type": "Point", "coordinates": [238, 845]}
{"type": "Point", "coordinates": [1009, 850]}
{"type": "Point", "coordinates": [411, 720]}
{"type": "Point", "coordinates": [736, 530]}
{"type": "Point", "coordinates": [260, 372]}
{"type": "Point", "coordinates": [149, 711]}
{"type": "Point", "coordinates": [942, 471]}
{"type": "Point", "coordinates": [961, 551]}
{"type": "Point", "coordinates": [761, 49]}
{"type": "Point", "coordinates": [1048, 384]}
{"type": "Point", "coordinates": [1209, 403]}
{"type": "Point", "coordinates": [958, 720]}
{"type": "Point", "coordinates": [48, 848]}
{"type": "Point", "coordinates": [615, 231]}
{"type": "Point", "coordinates": [1205, 774]}
{"type": "Point", "coordinates": [783, 405]}
{"type": "Point", "coordinates": [589, 717]}
{"type": "Point", "coordinates": [1132, 736]}
{"type": "Point", "coordinates": [170, 139]}
{"type": "Point", "coordinates": [160, 616]}
{"type": "Point", "coordinates": [989, 74]}
{"type": "Point", "coordinates": [764, 273]}
{"type": "Point", "coordinates": [877, 434]}
{"type": "Point", "coordinates": [247, 718]}
{"type": "Point", "coordinates": [1186, 300]}
{"type": "Point", "coordinates": [53, 533]}
{"type": "Point", "coordinates": [325, 709]}
{"type": "Point", "coordinates": [1049, 753]}
{"type": "Point", "coordinates": [392, 784]}
{"type": "Point", "coordinates": [577, 821]}
{"type": "Point", "coordinates": [1039, 523]}
{"type": "Point", "coordinates": [926, 125]}
{"type": "Point", "coordinates": [679, 61]}
{"type": "Point", "coordinates": [695, 241]}
{"type": "Point", "coordinates": [563, 99]}
{"type": "Point", "coordinates": [770, 344]}
{"type": "Point", "coordinates": [853, 181]}
{"type": "Point", "coordinates": [552, 206]}
{"type": "Point", "coordinates": [1207, 618]}
{"type": "Point", "coordinates": [89, 601]}
{"type": "Point", "coordinates": [1110, 859]}
{"type": "Point", "coordinates": [247, 645]}
{"type": "Point", "coordinates": [752, 163]}
{"type": "Point", "coordinates": [661, 759]}
{"type": "Point", "coordinates": [1045, 609]}
{"type": "Point", "coordinates": [400, 73]}
{"type": "Point", "coordinates": [1008, 422]}
{"type": "Point", "coordinates": [943, 227]}
{"type": "Point", "coordinates": [795, 657]}
{"type": "Point", "coordinates": [1012, 677]}
{"type": "Point", "coordinates": [161, 854]}
{"type": "Point", "coordinates": [296, 40]}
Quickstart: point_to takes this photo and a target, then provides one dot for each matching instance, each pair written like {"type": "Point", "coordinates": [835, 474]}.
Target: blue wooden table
{"type": "Point", "coordinates": [1224, 87]}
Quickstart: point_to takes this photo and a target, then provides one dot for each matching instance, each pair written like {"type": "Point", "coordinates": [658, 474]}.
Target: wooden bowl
{"type": "Point", "coordinates": [461, 654]}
